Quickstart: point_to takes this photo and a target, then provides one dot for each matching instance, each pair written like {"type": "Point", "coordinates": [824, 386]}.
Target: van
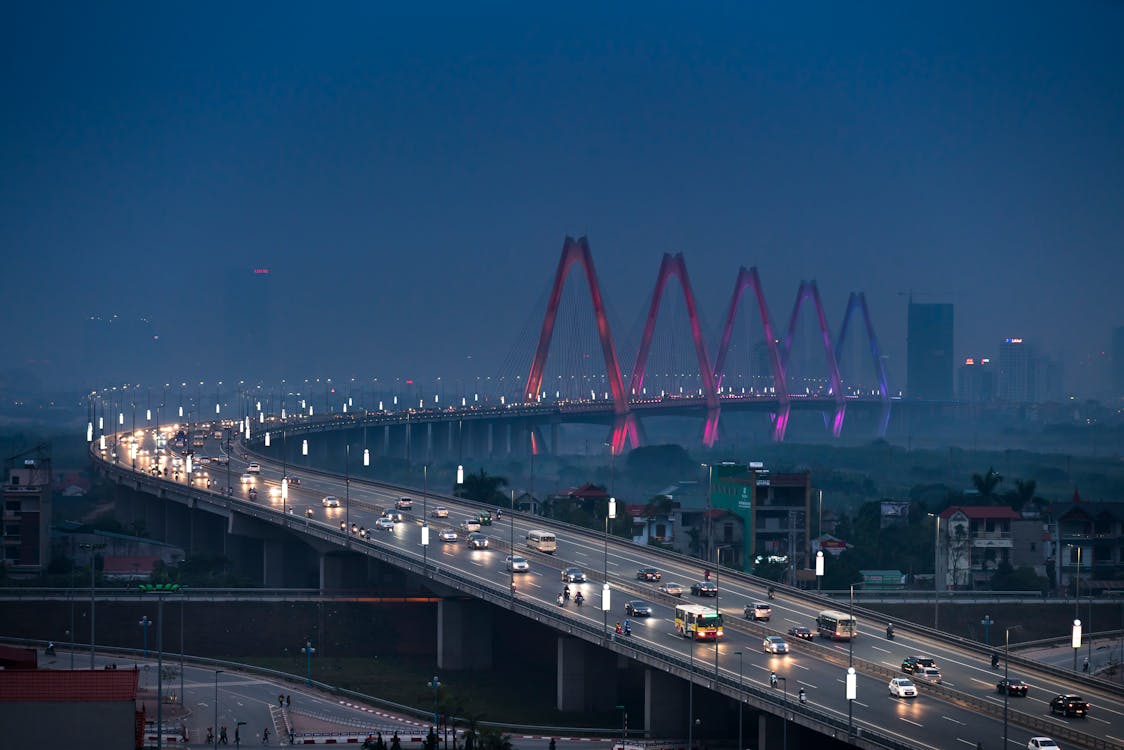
{"type": "Point", "coordinates": [542, 541]}
{"type": "Point", "coordinates": [253, 468]}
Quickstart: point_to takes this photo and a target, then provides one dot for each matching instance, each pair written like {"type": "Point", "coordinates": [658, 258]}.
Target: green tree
{"type": "Point", "coordinates": [483, 488]}
{"type": "Point", "coordinates": [658, 505]}
{"type": "Point", "coordinates": [1025, 490]}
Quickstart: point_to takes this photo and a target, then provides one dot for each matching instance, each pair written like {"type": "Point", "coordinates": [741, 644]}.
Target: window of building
{"type": "Point", "coordinates": [12, 505]}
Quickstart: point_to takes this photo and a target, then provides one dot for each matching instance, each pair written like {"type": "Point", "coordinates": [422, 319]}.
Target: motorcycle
{"type": "Point", "coordinates": [772, 593]}
{"type": "Point", "coordinates": [995, 661]}
{"type": "Point", "coordinates": [579, 599]}
{"type": "Point", "coordinates": [889, 634]}
{"type": "Point", "coordinates": [627, 627]}
{"type": "Point", "coordinates": [561, 601]}
{"type": "Point", "coordinates": [803, 697]}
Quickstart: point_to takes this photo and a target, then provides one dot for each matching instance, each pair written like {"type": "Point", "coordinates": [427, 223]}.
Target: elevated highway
{"type": "Point", "coordinates": [964, 710]}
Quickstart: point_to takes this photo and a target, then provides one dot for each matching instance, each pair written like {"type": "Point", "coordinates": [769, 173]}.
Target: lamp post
{"type": "Point", "coordinates": [1076, 606]}
{"type": "Point", "coordinates": [144, 623]}
{"type": "Point", "coordinates": [785, 681]}
{"type": "Point", "coordinates": [160, 589]}
{"type": "Point", "coordinates": [92, 548]}
{"type": "Point", "coordinates": [936, 570]}
{"type": "Point", "coordinates": [852, 679]}
{"type": "Point", "coordinates": [347, 486]}
{"type": "Point", "coordinates": [434, 684]}
{"type": "Point", "coordinates": [308, 651]}
{"type": "Point", "coordinates": [717, 593]}
{"type": "Point", "coordinates": [511, 542]}
{"type": "Point", "coordinates": [819, 569]}
{"type": "Point", "coordinates": [610, 514]}
{"type": "Point", "coordinates": [691, 693]}
{"type": "Point", "coordinates": [709, 490]}
{"type": "Point", "coordinates": [741, 700]}
{"type": "Point", "coordinates": [215, 728]}
{"type": "Point", "coordinates": [1006, 676]}
{"type": "Point", "coordinates": [425, 522]}
{"type": "Point", "coordinates": [1076, 641]}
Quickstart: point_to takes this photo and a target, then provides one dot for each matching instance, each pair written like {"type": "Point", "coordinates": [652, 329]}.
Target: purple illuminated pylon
{"type": "Point", "coordinates": [749, 278]}
{"type": "Point", "coordinates": [857, 300]}
{"type": "Point", "coordinates": [808, 290]}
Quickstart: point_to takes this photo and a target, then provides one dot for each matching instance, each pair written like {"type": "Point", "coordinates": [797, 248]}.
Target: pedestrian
{"type": "Point", "coordinates": [1085, 665]}
{"type": "Point", "coordinates": [280, 700]}
{"type": "Point", "coordinates": [222, 735]}
{"type": "Point", "coordinates": [288, 701]}
{"type": "Point", "coordinates": [379, 744]}
{"type": "Point", "coordinates": [265, 736]}
{"type": "Point", "coordinates": [237, 737]}
{"type": "Point", "coordinates": [551, 743]}
{"type": "Point", "coordinates": [395, 743]}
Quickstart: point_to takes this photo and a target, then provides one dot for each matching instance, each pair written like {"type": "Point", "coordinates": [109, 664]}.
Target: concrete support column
{"type": "Point", "coordinates": [464, 635]}
{"type": "Point", "coordinates": [587, 677]}
{"type": "Point", "coordinates": [386, 440]}
{"type": "Point", "coordinates": [273, 563]}
{"type": "Point", "coordinates": [491, 440]}
{"type": "Point", "coordinates": [428, 442]}
{"type": "Point", "coordinates": [507, 434]}
{"type": "Point", "coordinates": [554, 435]}
{"type": "Point", "coordinates": [665, 704]}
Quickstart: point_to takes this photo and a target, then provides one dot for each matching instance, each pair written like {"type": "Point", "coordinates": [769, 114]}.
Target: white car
{"type": "Point", "coordinates": [404, 503]}
{"type": "Point", "coordinates": [774, 644]}
{"type": "Point", "coordinates": [275, 492]}
{"type": "Point", "coordinates": [439, 512]}
{"type": "Point", "coordinates": [393, 515]}
{"type": "Point", "coordinates": [331, 501]}
{"type": "Point", "coordinates": [517, 564]}
{"type": "Point", "coordinates": [385, 524]}
{"type": "Point", "coordinates": [448, 535]}
{"type": "Point", "coordinates": [1042, 743]}
{"type": "Point", "coordinates": [247, 479]}
{"type": "Point", "coordinates": [903, 687]}
{"type": "Point", "coordinates": [253, 468]}
{"type": "Point", "coordinates": [470, 525]}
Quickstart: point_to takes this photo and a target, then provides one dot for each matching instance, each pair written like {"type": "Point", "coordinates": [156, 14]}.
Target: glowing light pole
{"type": "Point", "coordinates": [610, 514]}
{"type": "Point", "coordinates": [160, 589]}
{"type": "Point", "coordinates": [819, 569]}
{"type": "Point", "coordinates": [936, 570]}
{"type": "Point", "coordinates": [308, 651]}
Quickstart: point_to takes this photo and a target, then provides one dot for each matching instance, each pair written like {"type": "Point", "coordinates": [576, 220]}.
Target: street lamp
{"type": "Point", "coordinates": [741, 699]}
{"type": "Point", "coordinates": [717, 593]}
{"type": "Point", "coordinates": [215, 728]}
{"type": "Point", "coordinates": [92, 549]}
{"type": "Point", "coordinates": [819, 569]}
{"type": "Point", "coordinates": [308, 651]}
{"type": "Point", "coordinates": [511, 526]}
{"type": "Point", "coordinates": [775, 678]}
{"type": "Point", "coordinates": [144, 623]}
{"type": "Point", "coordinates": [1006, 676]}
{"type": "Point", "coordinates": [852, 680]}
{"type": "Point", "coordinates": [709, 491]}
{"type": "Point", "coordinates": [610, 514]}
{"type": "Point", "coordinates": [160, 589]}
{"type": "Point", "coordinates": [936, 570]}
{"type": "Point", "coordinates": [434, 684]}
{"type": "Point", "coordinates": [425, 522]}
{"type": "Point", "coordinates": [1076, 641]}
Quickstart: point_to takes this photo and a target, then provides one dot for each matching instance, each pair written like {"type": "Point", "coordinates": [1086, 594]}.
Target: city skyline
{"type": "Point", "coordinates": [408, 179]}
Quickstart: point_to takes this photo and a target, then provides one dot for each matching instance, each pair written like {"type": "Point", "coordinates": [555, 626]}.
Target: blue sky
{"type": "Point", "coordinates": [409, 179]}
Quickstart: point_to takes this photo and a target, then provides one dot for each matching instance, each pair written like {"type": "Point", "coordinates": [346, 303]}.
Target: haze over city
{"type": "Point", "coordinates": [408, 178]}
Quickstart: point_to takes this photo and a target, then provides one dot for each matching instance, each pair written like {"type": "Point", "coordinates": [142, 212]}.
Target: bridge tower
{"type": "Point", "coordinates": [749, 279]}
{"type": "Point", "coordinates": [857, 301]}
{"type": "Point", "coordinates": [577, 251]}
{"type": "Point", "coordinates": [809, 291]}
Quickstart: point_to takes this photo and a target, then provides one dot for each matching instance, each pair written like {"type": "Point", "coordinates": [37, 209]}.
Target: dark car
{"type": "Point", "coordinates": [1012, 687]}
{"type": "Point", "coordinates": [638, 608]}
{"type": "Point", "coordinates": [913, 664]}
{"type": "Point", "coordinates": [799, 632]}
{"type": "Point", "coordinates": [573, 575]}
{"type": "Point", "coordinates": [294, 481]}
{"type": "Point", "coordinates": [704, 588]}
{"type": "Point", "coordinates": [1069, 705]}
{"type": "Point", "coordinates": [648, 574]}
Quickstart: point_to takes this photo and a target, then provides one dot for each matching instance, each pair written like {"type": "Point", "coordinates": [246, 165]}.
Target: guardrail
{"type": "Point", "coordinates": [501, 596]}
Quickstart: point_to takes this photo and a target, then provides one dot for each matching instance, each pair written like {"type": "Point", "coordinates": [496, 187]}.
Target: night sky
{"type": "Point", "coordinates": [408, 180]}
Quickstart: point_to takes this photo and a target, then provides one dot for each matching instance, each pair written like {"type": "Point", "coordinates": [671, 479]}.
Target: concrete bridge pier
{"type": "Point", "coordinates": [464, 634]}
{"type": "Point", "coordinates": [665, 704]}
{"type": "Point", "coordinates": [587, 677]}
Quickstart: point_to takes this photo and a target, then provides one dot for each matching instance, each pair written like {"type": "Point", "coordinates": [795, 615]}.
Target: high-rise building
{"type": "Point", "coordinates": [1015, 380]}
{"type": "Point", "coordinates": [1117, 380]}
{"type": "Point", "coordinates": [976, 381]}
{"type": "Point", "coordinates": [929, 351]}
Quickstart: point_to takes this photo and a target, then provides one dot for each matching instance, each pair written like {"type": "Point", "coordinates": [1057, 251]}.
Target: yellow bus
{"type": "Point", "coordinates": [698, 623]}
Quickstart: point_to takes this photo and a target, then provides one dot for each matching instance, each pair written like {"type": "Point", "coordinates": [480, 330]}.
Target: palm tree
{"type": "Point", "coordinates": [985, 485]}
{"type": "Point", "coordinates": [1024, 493]}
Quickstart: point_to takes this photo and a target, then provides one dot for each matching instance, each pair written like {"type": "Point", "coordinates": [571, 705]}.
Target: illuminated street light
{"type": "Point", "coordinates": [819, 569]}
{"type": "Point", "coordinates": [304, 447]}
